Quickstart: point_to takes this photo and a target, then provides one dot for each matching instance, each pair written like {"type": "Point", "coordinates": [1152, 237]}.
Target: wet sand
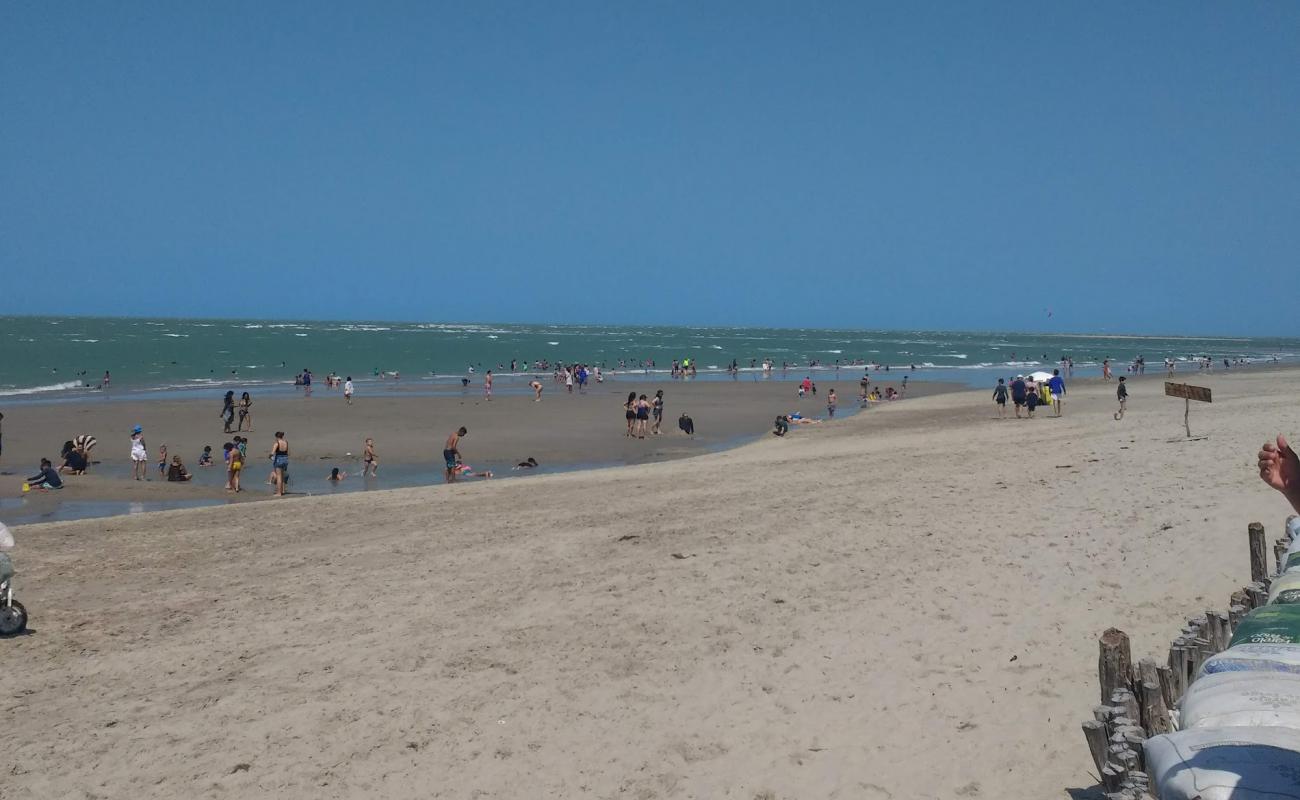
{"type": "Point", "coordinates": [561, 432]}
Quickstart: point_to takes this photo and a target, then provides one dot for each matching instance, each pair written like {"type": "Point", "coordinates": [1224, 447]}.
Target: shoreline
{"type": "Point", "coordinates": [563, 432]}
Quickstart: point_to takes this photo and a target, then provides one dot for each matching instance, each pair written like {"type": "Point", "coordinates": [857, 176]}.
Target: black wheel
{"type": "Point", "coordinates": [13, 619]}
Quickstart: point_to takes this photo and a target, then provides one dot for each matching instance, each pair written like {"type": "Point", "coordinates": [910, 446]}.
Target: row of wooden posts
{"type": "Point", "coordinates": [1136, 700]}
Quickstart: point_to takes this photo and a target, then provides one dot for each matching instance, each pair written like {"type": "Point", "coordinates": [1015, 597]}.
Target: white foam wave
{"type": "Point", "coordinates": [52, 387]}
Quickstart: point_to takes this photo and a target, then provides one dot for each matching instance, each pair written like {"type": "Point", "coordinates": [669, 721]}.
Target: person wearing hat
{"type": "Point", "coordinates": [1018, 392]}
{"type": "Point", "coordinates": [139, 454]}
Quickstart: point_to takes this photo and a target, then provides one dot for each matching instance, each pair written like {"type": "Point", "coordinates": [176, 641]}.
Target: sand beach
{"type": "Point", "coordinates": [901, 604]}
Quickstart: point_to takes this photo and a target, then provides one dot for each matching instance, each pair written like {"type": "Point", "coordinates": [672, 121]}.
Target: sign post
{"type": "Point", "coordinates": [1189, 393]}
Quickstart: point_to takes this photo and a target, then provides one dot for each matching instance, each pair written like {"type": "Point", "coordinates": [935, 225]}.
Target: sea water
{"type": "Point", "coordinates": [52, 357]}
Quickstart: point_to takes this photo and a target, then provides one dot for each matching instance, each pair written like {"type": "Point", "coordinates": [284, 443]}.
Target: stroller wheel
{"type": "Point", "coordinates": [13, 619]}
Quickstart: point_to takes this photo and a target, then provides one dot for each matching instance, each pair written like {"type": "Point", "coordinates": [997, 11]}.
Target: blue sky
{"type": "Point", "coordinates": [1132, 167]}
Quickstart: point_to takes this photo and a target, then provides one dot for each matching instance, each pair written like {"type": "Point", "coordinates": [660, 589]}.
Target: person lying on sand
{"type": "Point", "coordinates": [466, 471]}
{"type": "Point", "coordinates": [528, 463]}
{"type": "Point", "coordinates": [799, 419]}
{"type": "Point", "coordinates": [1279, 467]}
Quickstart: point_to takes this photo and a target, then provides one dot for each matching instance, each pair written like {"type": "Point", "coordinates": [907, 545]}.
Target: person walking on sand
{"type": "Point", "coordinates": [537, 390]}
{"type": "Point", "coordinates": [487, 385]}
{"type": "Point", "coordinates": [1000, 397]}
{"type": "Point", "coordinates": [279, 463]}
{"type": "Point", "coordinates": [1019, 391]}
{"type": "Point", "coordinates": [347, 390]}
{"type": "Point", "coordinates": [831, 401]}
{"type": "Point", "coordinates": [1105, 369]}
{"type": "Point", "coordinates": [1056, 385]}
{"type": "Point", "coordinates": [629, 413]}
{"type": "Point", "coordinates": [228, 410]}
{"type": "Point", "coordinates": [657, 411]}
{"type": "Point", "coordinates": [369, 459]}
{"type": "Point", "coordinates": [245, 412]}
{"type": "Point", "coordinates": [139, 454]}
{"type": "Point", "coordinates": [1121, 394]}
{"type": "Point", "coordinates": [451, 453]}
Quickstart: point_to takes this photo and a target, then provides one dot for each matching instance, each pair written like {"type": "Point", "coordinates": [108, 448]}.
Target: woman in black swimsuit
{"type": "Point", "coordinates": [642, 415]}
{"type": "Point", "coordinates": [629, 409]}
{"type": "Point", "coordinates": [279, 463]}
{"type": "Point", "coordinates": [245, 412]}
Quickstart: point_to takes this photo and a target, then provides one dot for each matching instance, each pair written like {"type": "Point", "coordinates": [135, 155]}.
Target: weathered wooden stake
{"type": "Point", "coordinates": [1114, 662]}
{"type": "Point", "coordinates": [1095, 733]}
{"type": "Point", "coordinates": [1155, 714]}
{"type": "Point", "coordinates": [1258, 556]}
{"type": "Point", "coordinates": [1167, 685]}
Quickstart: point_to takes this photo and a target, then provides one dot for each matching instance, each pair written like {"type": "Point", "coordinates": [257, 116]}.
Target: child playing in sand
{"type": "Point", "coordinates": [1121, 394]}
{"type": "Point", "coordinates": [162, 459]}
{"type": "Point", "coordinates": [205, 460]}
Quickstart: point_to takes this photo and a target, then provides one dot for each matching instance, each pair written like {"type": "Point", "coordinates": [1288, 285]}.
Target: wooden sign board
{"type": "Point", "coordinates": [1188, 391]}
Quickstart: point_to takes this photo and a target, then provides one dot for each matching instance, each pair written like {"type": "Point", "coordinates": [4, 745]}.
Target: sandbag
{"type": "Point", "coordinates": [1225, 764]}
{"type": "Point", "coordinates": [1230, 699]}
{"type": "Point", "coordinates": [1291, 560]}
{"type": "Point", "coordinates": [1276, 624]}
{"type": "Point", "coordinates": [1293, 527]}
{"type": "Point", "coordinates": [1285, 589]}
{"type": "Point", "coordinates": [1254, 658]}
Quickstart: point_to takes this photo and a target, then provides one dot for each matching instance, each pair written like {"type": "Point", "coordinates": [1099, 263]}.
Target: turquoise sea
{"type": "Point", "coordinates": [66, 357]}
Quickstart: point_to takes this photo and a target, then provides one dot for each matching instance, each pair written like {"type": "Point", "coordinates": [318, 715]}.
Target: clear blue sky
{"type": "Point", "coordinates": [1130, 166]}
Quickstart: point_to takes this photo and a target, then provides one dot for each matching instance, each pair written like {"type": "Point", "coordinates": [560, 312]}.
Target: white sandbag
{"type": "Point", "coordinates": [1293, 527]}
{"type": "Point", "coordinates": [1285, 588]}
{"type": "Point", "coordinates": [1291, 560]}
{"type": "Point", "coordinates": [1225, 764]}
{"type": "Point", "coordinates": [1228, 699]}
{"type": "Point", "coordinates": [1254, 657]}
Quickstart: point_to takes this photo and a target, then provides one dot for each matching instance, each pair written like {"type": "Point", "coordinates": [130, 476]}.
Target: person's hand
{"type": "Point", "coordinates": [1279, 467]}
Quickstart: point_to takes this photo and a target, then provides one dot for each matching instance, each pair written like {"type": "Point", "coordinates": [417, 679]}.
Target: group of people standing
{"type": "Point", "coordinates": [245, 412]}
{"type": "Point", "coordinates": [640, 410]}
{"type": "Point", "coordinates": [1027, 393]}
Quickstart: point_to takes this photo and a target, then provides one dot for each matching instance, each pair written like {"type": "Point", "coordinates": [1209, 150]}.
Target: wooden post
{"type": "Point", "coordinates": [1095, 733]}
{"type": "Point", "coordinates": [1167, 685]}
{"type": "Point", "coordinates": [1124, 698]}
{"type": "Point", "coordinates": [1114, 662]}
{"type": "Point", "coordinates": [1155, 715]}
{"type": "Point", "coordinates": [1258, 595]}
{"type": "Point", "coordinates": [1279, 555]}
{"type": "Point", "coordinates": [1258, 556]}
{"type": "Point", "coordinates": [1112, 775]}
{"type": "Point", "coordinates": [1235, 613]}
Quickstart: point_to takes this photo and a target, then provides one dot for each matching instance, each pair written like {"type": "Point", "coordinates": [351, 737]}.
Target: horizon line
{"type": "Point", "coordinates": [288, 319]}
